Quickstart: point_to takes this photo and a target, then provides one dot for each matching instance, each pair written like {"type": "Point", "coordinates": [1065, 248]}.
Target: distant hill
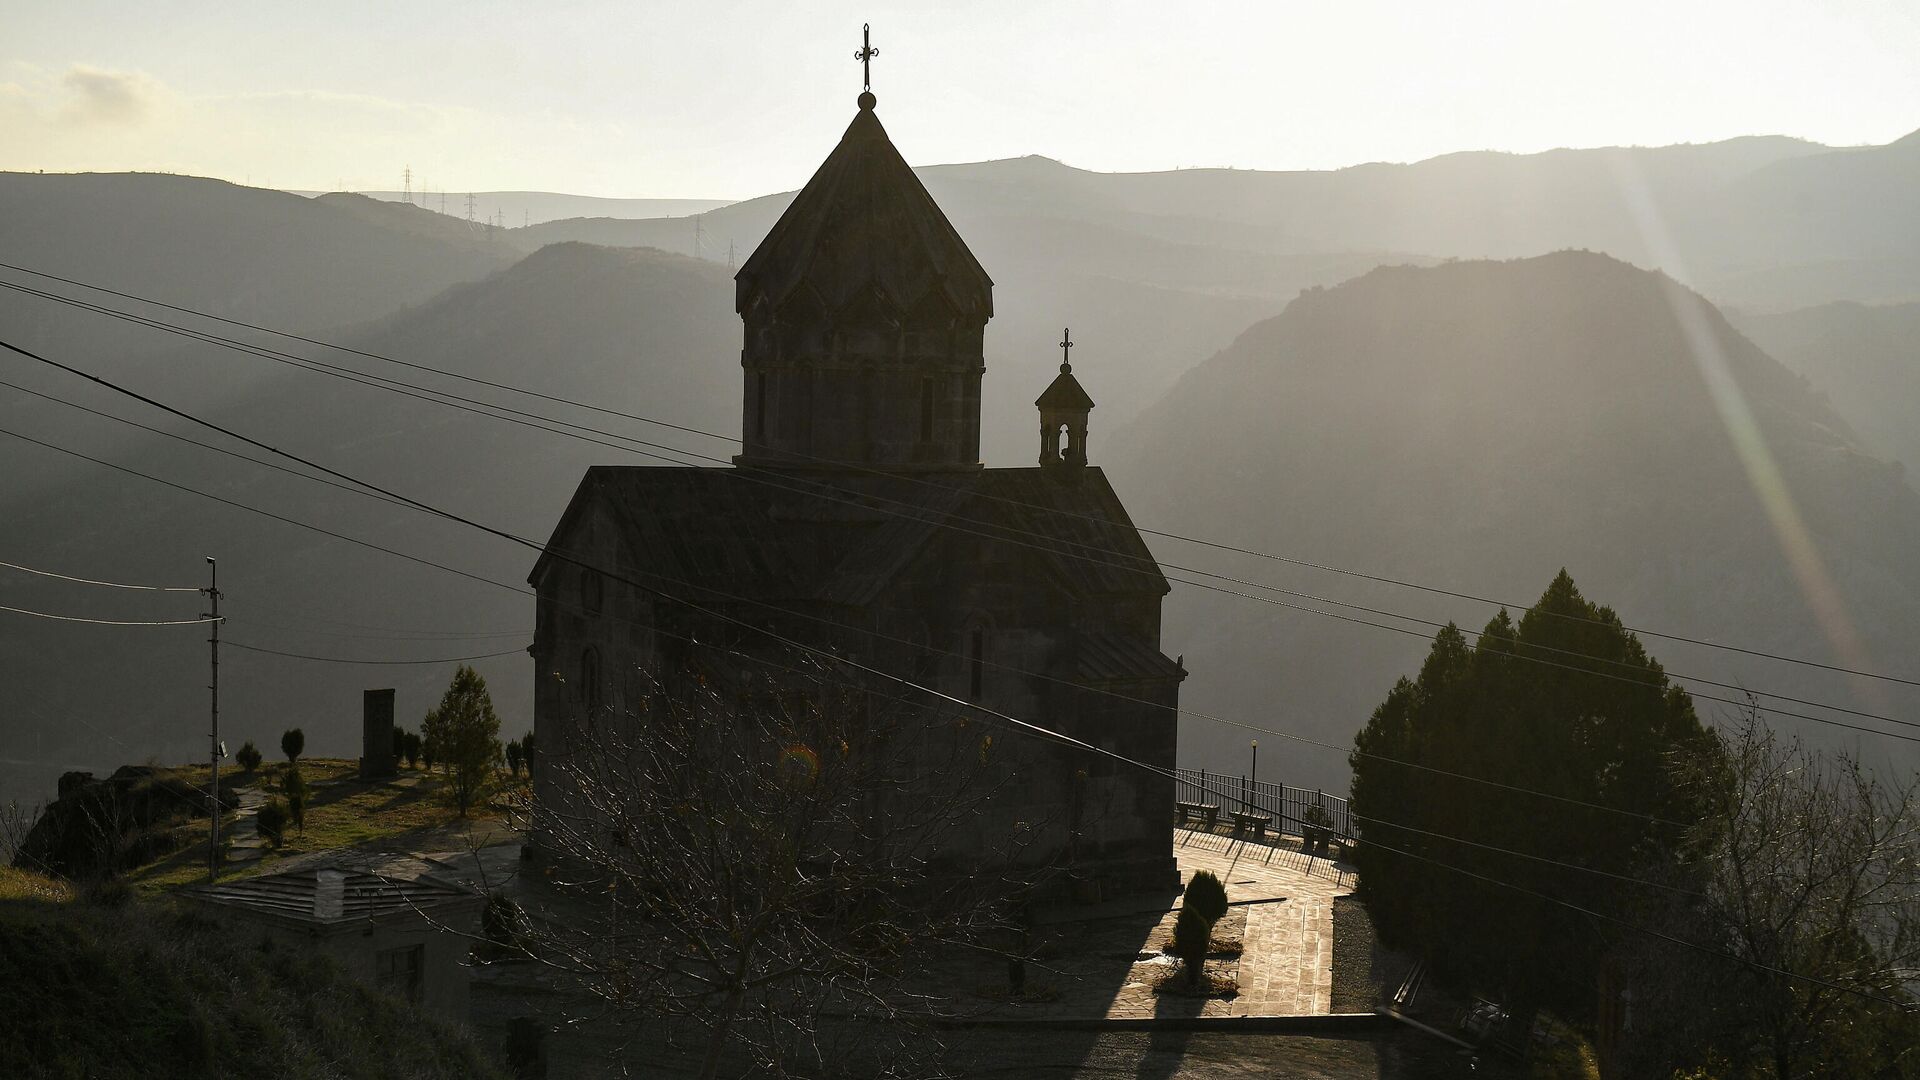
{"type": "Point", "coordinates": [1865, 357]}
{"type": "Point", "coordinates": [313, 266]}
{"type": "Point", "coordinates": [306, 264]}
{"type": "Point", "coordinates": [1478, 426]}
{"type": "Point", "coordinates": [519, 208]}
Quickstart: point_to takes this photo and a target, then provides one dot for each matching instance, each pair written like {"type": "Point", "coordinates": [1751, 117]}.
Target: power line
{"type": "Point", "coordinates": [91, 581]}
{"type": "Point", "coordinates": [275, 466]}
{"type": "Point", "coordinates": [349, 660]}
{"type": "Point", "coordinates": [1115, 694]}
{"type": "Point", "coordinates": [1289, 560]}
{"type": "Point", "coordinates": [1137, 565]}
{"type": "Point", "coordinates": [755, 477]}
{"type": "Point", "coordinates": [109, 622]}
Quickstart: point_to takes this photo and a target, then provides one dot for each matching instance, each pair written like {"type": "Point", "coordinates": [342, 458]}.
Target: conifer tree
{"type": "Point", "coordinates": [1564, 702]}
{"type": "Point", "coordinates": [464, 733]}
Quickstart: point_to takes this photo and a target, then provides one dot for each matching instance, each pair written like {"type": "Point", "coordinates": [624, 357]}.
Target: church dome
{"type": "Point", "coordinates": [863, 315]}
{"type": "Point", "coordinates": [864, 225]}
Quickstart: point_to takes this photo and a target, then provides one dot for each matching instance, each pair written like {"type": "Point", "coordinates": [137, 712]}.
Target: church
{"type": "Point", "coordinates": [858, 517]}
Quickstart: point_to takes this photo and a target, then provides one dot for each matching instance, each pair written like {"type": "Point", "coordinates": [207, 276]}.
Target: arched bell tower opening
{"type": "Point", "coordinates": [1063, 415]}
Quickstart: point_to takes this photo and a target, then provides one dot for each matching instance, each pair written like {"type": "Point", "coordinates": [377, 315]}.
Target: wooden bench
{"type": "Point", "coordinates": [1208, 813]}
{"type": "Point", "coordinates": [1258, 823]}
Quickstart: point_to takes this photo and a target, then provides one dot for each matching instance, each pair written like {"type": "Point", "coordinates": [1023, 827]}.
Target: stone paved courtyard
{"type": "Point", "coordinates": [1106, 962]}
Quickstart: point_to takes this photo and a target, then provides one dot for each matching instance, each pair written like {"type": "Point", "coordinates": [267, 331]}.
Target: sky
{"type": "Point", "coordinates": [735, 98]}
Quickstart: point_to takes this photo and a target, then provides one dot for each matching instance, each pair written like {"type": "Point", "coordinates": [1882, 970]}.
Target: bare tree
{"type": "Point", "coordinates": [1805, 880]}
{"type": "Point", "coordinates": [748, 861]}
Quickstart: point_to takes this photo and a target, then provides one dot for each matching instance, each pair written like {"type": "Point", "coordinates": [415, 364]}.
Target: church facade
{"type": "Point", "coordinates": [859, 518]}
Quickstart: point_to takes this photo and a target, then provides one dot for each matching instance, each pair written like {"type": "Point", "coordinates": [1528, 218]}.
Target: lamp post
{"type": "Point", "coordinates": [1255, 771]}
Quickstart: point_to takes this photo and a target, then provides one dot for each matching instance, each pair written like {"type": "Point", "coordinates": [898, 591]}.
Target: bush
{"type": "Point", "coordinates": [249, 756]}
{"type": "Point", "coordinates": [297, 794]}
{"type": "Point", "coordinates": [1207, 896]}
{"type": "Point", "coordinates": [1192, 933]}
{"type": "Point", "coordinates": [413, 750]}
{"type": "Point", "coordinates": [271, 821]}
{"type": "Point", "coordinates": [292, 742]}
{"type": "Point", "coordinates": [513, 758]}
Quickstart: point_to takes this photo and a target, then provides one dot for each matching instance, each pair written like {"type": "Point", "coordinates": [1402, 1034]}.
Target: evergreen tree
{"type": "Point", "coordinates": [464, 734]}
{"type": "Point", "coordinates": [293, 742]}
{"type": "Point", "coordinates": [1593, 721]}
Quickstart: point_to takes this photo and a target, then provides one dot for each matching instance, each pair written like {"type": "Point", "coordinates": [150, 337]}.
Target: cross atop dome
{"type": "Point", "coordinates": [865, 55]}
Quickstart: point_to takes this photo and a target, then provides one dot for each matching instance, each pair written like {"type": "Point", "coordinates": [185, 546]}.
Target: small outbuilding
{"type": "Point", "coordinates": [411, 937]}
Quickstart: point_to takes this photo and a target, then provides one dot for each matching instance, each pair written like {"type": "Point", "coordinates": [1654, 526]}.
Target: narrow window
{"type": "Point", "coordinates": [760, 405]}
{"type": "Point", "coordinates": [926, 410]}
{"type": "Point", "coordinates": [590, 676]}
{"type": "Point", "coordinates": [976, 662]}
{"type": "Point", "coordinates": [592, 591]}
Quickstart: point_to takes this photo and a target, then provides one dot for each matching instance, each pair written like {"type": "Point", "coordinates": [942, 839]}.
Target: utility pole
{"type": "Point", "coordinates": [409, 185]}
{"type": "Point", "coordinates": [213, 735]}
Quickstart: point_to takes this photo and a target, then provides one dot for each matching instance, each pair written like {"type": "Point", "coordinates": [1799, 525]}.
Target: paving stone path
{"type": "Point", "coordinates": [1286, 966]}
{"type": "Point", "coordinates": [1106, 961]}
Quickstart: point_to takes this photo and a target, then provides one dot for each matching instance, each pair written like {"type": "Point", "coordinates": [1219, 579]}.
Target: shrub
{"type": "Point", "coordinates": [1192, 933]}
{"type": "Point", "coordinates": [292, 742]}
{"type": "Point", "coordinates": [1207, 896]}
{"type": "Point", "coordinates": [297, 794]}
{"type": "Point", "coordinates": [249, 756]}
{"type": "Point", "coordinates": [513, 758]}
{"type": "Point", "coordinates": [413, 749]}
{"type": "Point", "coordinates": [271, 821]}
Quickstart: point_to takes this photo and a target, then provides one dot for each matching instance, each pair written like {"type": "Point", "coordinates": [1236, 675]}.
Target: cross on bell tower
{"type": "Point", "coordinates": [1063, 414]}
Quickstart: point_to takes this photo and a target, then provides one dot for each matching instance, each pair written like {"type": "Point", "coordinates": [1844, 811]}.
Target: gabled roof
{"type": "Point", "coordinates": [864, 226]}
{"type": "Point", "coordinates": [714, 535]}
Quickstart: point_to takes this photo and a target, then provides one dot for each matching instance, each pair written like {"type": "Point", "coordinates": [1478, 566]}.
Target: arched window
{"type": "Point", "coordinates": [592, 591]}
{"type": "Point", "coordinates": [590, 675]}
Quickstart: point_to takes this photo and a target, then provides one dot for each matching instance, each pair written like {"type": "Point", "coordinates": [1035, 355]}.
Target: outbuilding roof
{"type": "Point", "coordinates": [330, 896]}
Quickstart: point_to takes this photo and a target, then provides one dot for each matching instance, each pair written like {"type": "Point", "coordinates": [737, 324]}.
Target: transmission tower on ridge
{"type": "Point", "coordinates": [408, 182]}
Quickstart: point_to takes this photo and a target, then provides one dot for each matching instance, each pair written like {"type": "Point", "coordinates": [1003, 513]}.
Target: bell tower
{"type": "Point", "coordinates": [1064, 406]}
{"type": "Point", "coordinates": [864, 314]}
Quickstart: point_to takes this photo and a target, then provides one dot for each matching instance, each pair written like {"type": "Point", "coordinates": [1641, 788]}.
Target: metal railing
{"type": "Point", "coordinates": [1287, 805]}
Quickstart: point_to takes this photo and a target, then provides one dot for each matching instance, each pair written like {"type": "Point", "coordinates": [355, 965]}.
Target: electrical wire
{"type": "Point", "coordinates": [1289, 560]}
{"type": "Point", "coordinates": [91, 581]}
{"type": "Point", "coordinates": [1145, 566]}
{"type": "Point", "coordinates": [1103, 691]}
{"type": "Point", "coordinates": [349, 660]}
{"type": "Point", "coordinates": [110, 622]}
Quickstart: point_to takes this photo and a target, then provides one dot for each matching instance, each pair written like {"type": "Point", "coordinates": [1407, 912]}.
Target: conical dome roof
{"type": "Point", "coordinates": [864, 226]}
{"type": "Point", "coordinates": [1065, 393]}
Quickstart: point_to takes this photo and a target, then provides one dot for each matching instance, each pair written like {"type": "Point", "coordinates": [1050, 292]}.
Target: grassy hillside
{"type": "Point", "coordinates": [145, 990]}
